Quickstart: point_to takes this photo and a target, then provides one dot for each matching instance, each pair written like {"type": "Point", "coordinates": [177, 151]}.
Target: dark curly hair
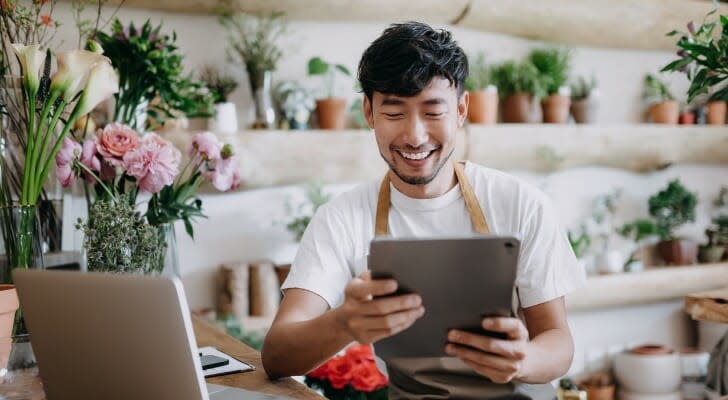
{"type": "Point", "coordinates": [405, 58]}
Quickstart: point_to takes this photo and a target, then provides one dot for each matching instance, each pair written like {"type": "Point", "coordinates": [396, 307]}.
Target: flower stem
{"type": "Point", "coordinates": [40, 158]}
{"type": "Point", "coordinates": [96, 177]}
{"type": "Point", "coordinates": [30, 146]}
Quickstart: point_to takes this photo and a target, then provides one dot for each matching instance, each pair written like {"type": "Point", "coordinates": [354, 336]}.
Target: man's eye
{"type": "Point", "coordinates": [393, 115]}
{"type": "Point", "coordinates": [435, 115]}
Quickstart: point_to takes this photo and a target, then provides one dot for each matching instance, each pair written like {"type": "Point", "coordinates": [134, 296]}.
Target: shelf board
{"type": "Point", "coordinates": [708, 306]}
{"type": "Point", "coordinates": [649, 286]}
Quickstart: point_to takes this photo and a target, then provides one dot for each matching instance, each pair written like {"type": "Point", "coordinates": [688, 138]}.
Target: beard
{"type": "Point", "coordinates": [418, 180]}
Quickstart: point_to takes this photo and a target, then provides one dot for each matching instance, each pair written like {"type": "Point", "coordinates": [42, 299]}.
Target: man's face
{"type": "Point", "coordinates": [416, 135]}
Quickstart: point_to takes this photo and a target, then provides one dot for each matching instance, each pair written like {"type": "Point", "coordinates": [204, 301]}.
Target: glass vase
{"type": "Point", "coordinates": [168, 264]}
{"type": "Point", "coordinates": [260, 86]}
{"type": "Point", "coordinates": [19, 377]}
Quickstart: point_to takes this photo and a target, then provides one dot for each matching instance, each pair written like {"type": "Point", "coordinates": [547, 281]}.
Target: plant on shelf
{"type": "Point", "coordinates": [225, 119]}
{"type": "Point", "coordinates": [662, 106]}
{"type": "Point", "coordinates": [670, 209]}
{"type": "Point", "coordinates": [301, 215]}
{"type": "Point", "coordinates": [518, 85]}
{"type": "Point", "coordinates": [584, 95]}
{"type": "Point", "coordinates": [151, 80]}
{"type": "Point", "coordinates": [483, 108]}
{"type": "Point", "coordinates": [330, 110]}
{"type": "Point", "coordinates": [580, 242]}
{"type": "Point", "coordinates": [296, 103]}
{"type": "Point", "coordinates": [253, 41]}
{"type": "Point", "coordinates": [353, 375]}
{"type": "Point", "coordinates": [702, 56]}
{"type": "Point", "coordinates": [553, 65]}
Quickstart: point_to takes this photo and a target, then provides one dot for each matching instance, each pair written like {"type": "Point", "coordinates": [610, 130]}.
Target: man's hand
{"type": "Point", "coordinates": [368, 319]}
{"type": "Point", "coordinates": [499, 360]}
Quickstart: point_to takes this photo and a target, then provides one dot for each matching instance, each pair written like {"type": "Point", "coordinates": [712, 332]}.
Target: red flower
{"type": "Point", "coordinates": [360, 353]}
{"type": "Point", "coordinates": [339, 372]}
{"type": "Point", "coordinates": [320, 373]}
{"type": "Point", "coordinates": [46, 20]}
{"type": "Point", "coordinates": [367, 378]}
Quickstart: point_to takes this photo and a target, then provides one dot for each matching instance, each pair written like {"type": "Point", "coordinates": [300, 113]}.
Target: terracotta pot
{"type": "Point", "coordinates": [331, 113]}
{"type": "Point", "coordinates": [716, 112]}
{"type": "Point", "coordinates": [678, 251]}
{"type": "Point", "coordinates": [686, 118]}
{"type": "Point", "coordinates": [666, 112]}
{"type": "Point", "coordinates": [8, 305]}
{"type": "Point", "coordinates": [584, 111]}
{"type": "Point", "coordinates": [483, 107]}
{"type": "Point", "coordinates": [556, 109]}
{"type": "Point", "coordinates": [600, 392]}
{"type": "Point", "coordinates": [517, 108]}
{"type": "Point", "coordinates": [651, 350]}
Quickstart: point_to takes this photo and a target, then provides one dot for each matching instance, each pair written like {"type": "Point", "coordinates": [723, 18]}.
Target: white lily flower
{"type": "Point", "coordinates": [103, 81]}
{"type": "Point", "coordinates": [31, 61]}
{"type": "Point", "coordinates": [73, 71]}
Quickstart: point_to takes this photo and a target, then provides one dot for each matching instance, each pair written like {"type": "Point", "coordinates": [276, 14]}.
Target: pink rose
{"type": "Point", "coordinates": [114, 141]}
{"type": "Point", "coordinates": [155, 164]}
{"type": "Point", "coordinates": [225, 175]}
{"type": "Point", "coordinates": [207, 145]}
{"type": "Point", "coordinates": [69, 152]}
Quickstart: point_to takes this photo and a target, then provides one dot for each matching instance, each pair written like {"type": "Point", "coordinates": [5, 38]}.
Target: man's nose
{"type": "Point", "coordinates": [415, 133]}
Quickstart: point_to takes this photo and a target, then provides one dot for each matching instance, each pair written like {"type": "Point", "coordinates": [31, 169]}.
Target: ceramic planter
{"type": "Point", "coordinates": [710, 254]}
{"type": "Point", "coordinates": [678, 251]}
{"type": "Point", "coordinates": [517, 108]}
{"type": "Point", "coordinates": [483, 108]}
{"type": "Point", "coordinates": [331, 113]}
{"type": "Point", "coordinates": [556, 109]}
{"type": "Point", "coordinates": [584, 111]}
{"type": "Point", "coordinates": [225, 119]}
{"type": "Point", "coordinates": [8, 305]}
{"type": "Point", "coordinates": [667, 112]}
{"type": "Point", "coordinates": [652, 371]}
{"type": "Point", "coordinates": [686, 118]}
{"type": "Point", "coordinates": [716, 111]}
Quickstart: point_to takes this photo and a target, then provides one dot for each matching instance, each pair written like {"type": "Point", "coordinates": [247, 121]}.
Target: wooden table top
{"type": "Point", "coordinates": [209, 335]}
{"type": "Point", "coordinates": [708, 306]}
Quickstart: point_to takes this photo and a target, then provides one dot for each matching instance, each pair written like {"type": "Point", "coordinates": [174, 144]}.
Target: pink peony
{"type": "Point", "coordinates": [155, 163]}
{"type": "Point", "coordinates": [89, 159]}
{"type": "Point", "coordinates": [69, 151]}
{"type": "Point", "coordinates": [225, 175]}
{"type": "Point", "coordinates": [115, 141]}
{"type": "Point", "coordinates": [207, 145]}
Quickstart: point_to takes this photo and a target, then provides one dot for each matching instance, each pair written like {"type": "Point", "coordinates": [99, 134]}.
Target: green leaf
{"type": "Point", "coordinates": [317, 66]}
{"type": "Point", "coordinates": [677, 65]}
{"type": "Point", "coordinates": [343, 69]}
{"type": "Point", "coordinates": [672, 33]}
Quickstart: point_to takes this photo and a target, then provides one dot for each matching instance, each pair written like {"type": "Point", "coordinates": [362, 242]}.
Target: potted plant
{"type": "Point", "coordinates": [580, 243]}
{"type": "Point", "coordinates": [483, 108]}
{"type": "Point", "coordinates": [662, 106]}
{"type": "Point", "coordinates": [711, 252]}
{"type": "Point", "coordinates": [518, 85]}
{"type": "Point", "coordinates": [296, 103]}
{"type": "Point", "coordinates": [670, 208]}
{"type": "Point", "coordinates": [687, 116]}
{"type": "Point", "coordinates": [553, 65]}
{"type": "Point", "coordinates": [253, 40]}
{"type": "Point", "coordinates": [330, 110]}
{"type": "Point", "coordinates": [702, 58]}
{"type": "Point", "coordinates": [584, 104]}
{"type": "Point", "coordinates": [599, 386]}
{"type": "Point", "coordinates": [225, 119]}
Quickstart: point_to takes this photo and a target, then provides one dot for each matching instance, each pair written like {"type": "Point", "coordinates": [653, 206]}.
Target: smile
{"type": "Point", "coordinates": [416, 156]}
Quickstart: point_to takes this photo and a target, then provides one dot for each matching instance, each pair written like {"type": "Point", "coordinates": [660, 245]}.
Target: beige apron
{"type": "Point", "coordinates": [447, 377]}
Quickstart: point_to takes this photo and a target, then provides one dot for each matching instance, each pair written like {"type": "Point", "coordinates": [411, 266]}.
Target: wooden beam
{"type": "Point", "coordinates": [637, 24]}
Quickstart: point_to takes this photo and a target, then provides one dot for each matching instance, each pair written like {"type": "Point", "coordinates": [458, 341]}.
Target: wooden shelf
{"type": "Point", "coordinates": [649, 286]}
{"type": "Point", "coordinates": [708, 306]}
{"type": "Point", "coordinates": [271, 158]}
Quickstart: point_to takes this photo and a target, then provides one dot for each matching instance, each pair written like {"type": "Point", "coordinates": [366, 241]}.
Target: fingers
{"type": "Point", "coordinates": [372, 329]}
{"type": "Point", "coordinates": [491, 373]}
{"type": "Point", "coordinates": [489, 360]}
{"type": "Point", "coordinates": [364, 289]}
{"type": "Point", "coordinates": [390, 305]}
{"type": "Point", "coordinates": [512, 326]}
{"type": "Point", "coordinates": [511, 349]}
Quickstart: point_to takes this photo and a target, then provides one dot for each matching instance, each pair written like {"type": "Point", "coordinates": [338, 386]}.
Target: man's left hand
{"type": "Point", "coordinates": [500, 360]}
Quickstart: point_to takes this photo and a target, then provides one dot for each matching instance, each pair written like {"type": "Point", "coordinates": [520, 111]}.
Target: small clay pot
{"type": "Point", "coordinates": [687, 118]}
{"type": "Point", "coordinates": [584, 111]}
{"type": "Point", "coordinates": [651, 350]}
{"type": "Point", "coordinates": [678, 251]}
{"type": "Point", "coordinates": [517, 108]}
{"type": "Point", "coordinates": [600, 392]}
{"type": "Point", "coordinates": [331, 113]}
{"type": "Point", "coordinates": [716, 111]}
{"type": "Point", "coordinates": [666, 112]}
{"type": "Point", "coordinates": [483, 108]}
{"type": "Point", "coordinates": [556, 109]}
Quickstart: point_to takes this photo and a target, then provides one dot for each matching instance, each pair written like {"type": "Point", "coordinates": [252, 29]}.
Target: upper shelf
{"type": "Point", "coordinates": [270, 158]}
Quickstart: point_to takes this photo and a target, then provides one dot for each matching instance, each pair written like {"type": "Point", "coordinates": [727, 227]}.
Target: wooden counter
{"type": "Point", "coordinates": [208, 335]}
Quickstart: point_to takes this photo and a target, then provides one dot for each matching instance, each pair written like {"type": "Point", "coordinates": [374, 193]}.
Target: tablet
{"type": "Point", "coordinates": [460, 279]}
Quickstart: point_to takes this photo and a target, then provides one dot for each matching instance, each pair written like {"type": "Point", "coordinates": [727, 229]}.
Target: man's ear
{"type": "Point", "coordinates": [463, 105]}
{"type": "Point", "coordinates": [368, 114]}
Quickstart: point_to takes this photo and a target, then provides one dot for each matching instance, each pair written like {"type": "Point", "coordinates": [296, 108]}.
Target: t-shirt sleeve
{"type": "Point", "coordinates": [547, 265]}
{"type": "Point", "coordinates": [321, 265]}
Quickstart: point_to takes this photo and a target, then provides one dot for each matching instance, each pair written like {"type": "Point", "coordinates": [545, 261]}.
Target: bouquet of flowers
{"type": "Point", "coordinates": [120, 163]}
{"type": "Point", "coordinates": [351, 376]}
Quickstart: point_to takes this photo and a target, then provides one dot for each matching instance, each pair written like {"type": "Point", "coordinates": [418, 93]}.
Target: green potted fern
{"type": "Point", "coordinates": [518, 85]}
{"type": "Point", "coordinates": [661, 104]}
{"type": "Point", "coordinates": [483, 107]}
{"type": "Point", "coordinates": [553, 65]}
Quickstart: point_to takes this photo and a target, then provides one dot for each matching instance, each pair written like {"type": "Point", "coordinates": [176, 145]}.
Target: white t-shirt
{"type": "Point", "coordinates": [335, 246]}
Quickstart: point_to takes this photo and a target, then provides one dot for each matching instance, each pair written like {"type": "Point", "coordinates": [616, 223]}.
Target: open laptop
{"type": "Point", "coordinates": [103, 336]}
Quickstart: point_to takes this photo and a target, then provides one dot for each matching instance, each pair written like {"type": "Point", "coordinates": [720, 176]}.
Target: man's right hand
{"type": "Point", "coordinates": [368, 318]}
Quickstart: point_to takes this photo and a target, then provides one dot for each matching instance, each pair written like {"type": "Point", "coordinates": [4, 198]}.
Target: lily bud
{"type": "Point", "coordinates": [31, 61]}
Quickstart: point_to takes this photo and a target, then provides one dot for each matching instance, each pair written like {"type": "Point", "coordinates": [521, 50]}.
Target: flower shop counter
{"type": "Point", "coordinates": [649, 286]}
{"type": "Point", "coordinates": [208, 335]}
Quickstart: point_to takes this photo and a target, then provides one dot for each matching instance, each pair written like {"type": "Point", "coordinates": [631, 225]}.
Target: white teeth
{"type": "Point", "coordinates": [415, 156]}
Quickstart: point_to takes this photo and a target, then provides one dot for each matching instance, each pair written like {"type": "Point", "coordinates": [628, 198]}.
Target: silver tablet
{"type": "Point", "coordinates": [461, 280]}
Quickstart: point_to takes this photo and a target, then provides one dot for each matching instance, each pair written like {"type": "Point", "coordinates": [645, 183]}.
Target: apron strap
{"type": "Point", "coordinates": [480, 224]}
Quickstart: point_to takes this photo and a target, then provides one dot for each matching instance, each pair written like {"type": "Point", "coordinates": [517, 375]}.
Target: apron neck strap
{"type": "Point", "coordinates": [480, 224]}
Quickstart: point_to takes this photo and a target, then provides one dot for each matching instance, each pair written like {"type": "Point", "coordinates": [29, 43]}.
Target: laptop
{"type": "Point", "coordinates": [103, 336]}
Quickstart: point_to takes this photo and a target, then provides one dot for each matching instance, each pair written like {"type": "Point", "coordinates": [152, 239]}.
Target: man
{"type": "Point", "coordinates": [413, 82]}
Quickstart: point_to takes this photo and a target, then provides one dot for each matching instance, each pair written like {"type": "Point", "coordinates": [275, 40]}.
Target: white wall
{"type": "Point", "coordinates": [619, 72]}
